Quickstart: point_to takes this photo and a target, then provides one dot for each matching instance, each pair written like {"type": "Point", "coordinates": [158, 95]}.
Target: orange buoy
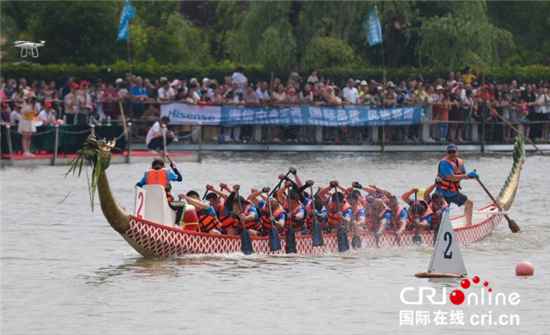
{"type": "Point", "coordinates": [524, 268]}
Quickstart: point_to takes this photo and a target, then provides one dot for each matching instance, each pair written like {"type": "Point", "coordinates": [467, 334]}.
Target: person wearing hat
{"type": "Point", "coordinates": [84, 103]}
{"type": "Point", "coordinates": [451, 171]}
{"type": "Point", "coordinates": [47, 115]}
{"type": "Point", "coordinates": [71, 104]}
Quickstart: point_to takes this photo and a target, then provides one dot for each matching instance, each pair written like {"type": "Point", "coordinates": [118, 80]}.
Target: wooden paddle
{"type": "Point", "coordinates": [274, 239]}
{"type": "Point", "coordinates": [316, 233]}
{"type": "Point", "coordinates": [514, 227]}
{"type": "Point", "coordinates": [279, 184]}
{"type": "Point", "coordinates": [290, 238]}
{"type": "Point", "coordinates": [416, 238]}
{"type": "Point", "coordinates": [343, 243]}
{"type": "Point", "coordinates": [519, 132]}
{"type": "Point", "coordinates": [246, 242]}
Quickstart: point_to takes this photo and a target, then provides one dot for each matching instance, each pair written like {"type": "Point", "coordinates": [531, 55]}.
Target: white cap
{"type": "Point", "coordinates": [119, 80]}
{"type": "Point", "coordinates": [175, 82]}
{"type": "Point", "coordinates": [204, 80]}
{"type": "Point", "coordinates": [364, 83]}
{"type": "Point", "coordinates": [439, 87]}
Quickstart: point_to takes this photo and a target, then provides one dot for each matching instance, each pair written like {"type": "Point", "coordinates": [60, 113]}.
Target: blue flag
{"type": "Point", "coordinates": [128, 12]}
{"type": "Point", "coordinates": [373, 28]}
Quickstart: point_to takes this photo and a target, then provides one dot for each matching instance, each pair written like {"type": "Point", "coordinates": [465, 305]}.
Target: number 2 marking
{"type": "Point", "coordinates": [448, 255]}
{"type": "Point", "coordinates": [140, 198]}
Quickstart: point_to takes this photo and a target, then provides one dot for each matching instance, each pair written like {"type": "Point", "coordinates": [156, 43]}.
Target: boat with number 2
{"type": "Point", "coordinates": [150, 229]}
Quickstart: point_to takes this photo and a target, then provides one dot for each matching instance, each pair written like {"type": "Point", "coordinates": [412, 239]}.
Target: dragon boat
{"type": "Point", "coordinates": [150, 231]}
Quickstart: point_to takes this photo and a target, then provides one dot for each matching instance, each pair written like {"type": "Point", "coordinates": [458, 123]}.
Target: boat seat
{"type": "Point", "coordinates": [157, 209]}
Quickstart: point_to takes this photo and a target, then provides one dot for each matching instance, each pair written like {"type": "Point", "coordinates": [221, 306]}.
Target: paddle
{"type": "Point", "coordinates": [416, 238]}
{"type": "Point", "coordinates": [519, 132]}
{"type": "Point", "coordinates": [373, 218]}
{"type": "Point", "coordinates": [279, 184]}
{"type": "Point", "coordinates": [246, 242]}
{"type": "Point", "coordinates": [356, 240]}
{"type": "Point", "coordinates": [290, 237]}
{"type": "Point", "coordinates": [205, 193]}
{"type": "Point", "coordinates": [514, 227]}
{"type": "Point", "coordinates": [316, 233]}
{"type": "Point", "coordinates": [274, 239]}
{"type": "Point", "coordinates": [343, 243]}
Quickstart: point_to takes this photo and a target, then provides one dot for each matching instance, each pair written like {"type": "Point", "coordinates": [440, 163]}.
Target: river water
{"type": "Point", "coordinates": [65, 271]}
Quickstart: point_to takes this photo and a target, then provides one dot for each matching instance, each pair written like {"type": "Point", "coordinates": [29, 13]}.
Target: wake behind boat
{"type": "Point", "coordinates": [150, 229]}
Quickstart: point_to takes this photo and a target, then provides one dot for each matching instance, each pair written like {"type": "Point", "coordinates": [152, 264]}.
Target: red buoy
{"type": "Point", "coordinates": [524, 268]}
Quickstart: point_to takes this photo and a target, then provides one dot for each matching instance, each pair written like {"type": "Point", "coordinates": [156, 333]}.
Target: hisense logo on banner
{"type": "Point", "coordinates": [174, 113]}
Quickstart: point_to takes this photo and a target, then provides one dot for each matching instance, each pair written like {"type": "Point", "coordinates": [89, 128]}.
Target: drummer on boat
{"type": "Point", "coordinates": [451, 171]}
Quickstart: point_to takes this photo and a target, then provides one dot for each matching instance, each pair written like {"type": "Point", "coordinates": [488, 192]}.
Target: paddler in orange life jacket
{"type": "Point", "coordinates": [336, 215]}
{"type": "Point", "coordinates": [294, 208]}
{"type": "Point", "coordinates": [225, 216]}
{"type": "Point", "coordinates": [420, 213]}
{"type": "Point", "coordinates": [437, 204]}
{"type": "Point", "coordinates": [398, 215]}
{"type": "Point", "coordinates": [207, 215]}
{"type": "Point", "coordinates": [358, 218]}
{"type": "Point", "coordinates": [277, 215]}
{"type": "Point", "coordinates": [451, 171]}
{"type": "Point", "coordinates": [377, 216]}
{"type": "Point", "coordinates": [249, 215]}
{"type": "Point", "coordinates": [158, 175]}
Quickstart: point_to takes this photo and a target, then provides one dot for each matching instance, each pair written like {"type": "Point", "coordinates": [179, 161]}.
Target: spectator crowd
{"type": "Point", "coordinates": [450, 104]}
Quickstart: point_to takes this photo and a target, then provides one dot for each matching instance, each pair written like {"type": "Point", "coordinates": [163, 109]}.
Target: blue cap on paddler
{"type": "Point", "coordinates": [452, 147]}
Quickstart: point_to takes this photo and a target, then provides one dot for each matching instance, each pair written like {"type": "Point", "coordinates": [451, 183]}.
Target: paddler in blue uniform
{"type": "Point", "coordinates": [450, 172]}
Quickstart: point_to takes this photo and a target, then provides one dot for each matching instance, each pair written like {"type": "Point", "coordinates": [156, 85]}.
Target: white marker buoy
{"type": "Point", "coordinates": [446, 258]}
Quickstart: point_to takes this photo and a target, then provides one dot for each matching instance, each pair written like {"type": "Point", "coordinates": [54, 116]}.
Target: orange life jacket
{"type": "Point", "coordinates": [160, 177]}
{"type": "Point", "coordinates": [266, 219]}
{"type": "Point", "coordinates": [332, 214]}
{"type": "Point", "coordinates": [372, 218]}
{"type": "Point", "coordinates": [254, 224]}
{"type": "Point", "coordinates": [447, 185]}
{"type": "Point", "coordinates": [208, 221]}
{"type": "Point", "coordinates": [427, 212]}
{"type": "Point", "coordinates": [437, 211]}
{"type": "Point", "coordinates": [226, 219]}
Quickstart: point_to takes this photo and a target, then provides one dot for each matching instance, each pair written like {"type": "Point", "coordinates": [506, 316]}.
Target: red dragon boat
{"type": "Point", "coordinates": [151, 233]}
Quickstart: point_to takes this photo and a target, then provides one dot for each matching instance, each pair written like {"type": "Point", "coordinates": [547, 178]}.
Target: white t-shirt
{"type": "Point", "coordinates": [241, 80]}
{"type": "Point", "coordinates": [351, 95]}
{"type": "Point", "coordinates": [153, 132]}
{"type": "Point", "coordinates": [14, 117]}
{"type": "Point", "coordinates": [262, 95]}
{"type": "Point", "coordinates": [166, 94]}
{"type": "Point", "coordinates": [47, 117]}
{"type": "Point", "coordinates": [75, 108]}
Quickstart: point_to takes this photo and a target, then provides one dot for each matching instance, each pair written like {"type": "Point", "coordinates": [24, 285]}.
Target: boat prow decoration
{"type": "Point", "coordinates": [154, 236]}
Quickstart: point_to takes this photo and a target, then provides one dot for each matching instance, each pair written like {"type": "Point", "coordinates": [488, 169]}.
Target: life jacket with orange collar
{"type": "Point", "coordinates": [225, 217]}
{"type": "Point", "coordinates": [446, 185]}
{"type": "Point", "coordinates": [355, 211]}
{"type": "Point", "coordinates": [254, 224]}
{"type": "Point", "coordinates": [208, 220]}
{"type": "Point", "coordinates": [295, 224]}
{"type": "Point", "coordinates": [395, 215]}
{"type": "Point", "coordinates": [310, 212]}
{"type": "Point", "coordinates": [160, 177]}
{"type": "Point", "coordinates": [372, 218]}
{"type": "Point", "coordinates": [427, 212]}
{"type": "Point", "coordinates": [437, 211]}
{"type": "Point", "coordinates": [265, 218]}
{"type": "Point", "coordinates": [332, 214]}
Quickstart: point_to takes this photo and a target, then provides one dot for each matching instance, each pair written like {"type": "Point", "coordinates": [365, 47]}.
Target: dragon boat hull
{"type": "Point", "coordinates": [157, 240]}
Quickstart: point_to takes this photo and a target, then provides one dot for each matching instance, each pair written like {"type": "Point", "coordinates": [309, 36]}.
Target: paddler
{"type": "Point", "coordinates": [437, 204]}
{"type": "Point", "coordinates": [451, 171]}
{"type": "Point", "coordinates": [223, 212]}
{"type": "Point", "coordinates": [208, 222]}
{"type": "Point", "coordinates": [372, 191]}
{"type": "Point", "coordinates": [275, 215]}
{"type": "Point", "coordinates": [244, 212]}
{"type": "Point", "coordinates": [398, 215]}
{"type": "Point", "coordinates": [420, 213]}
{"type": "Point", "coordinates": [336, 215]}
{"type": "Point", "coordinates": [158, 175]}
{"type": "Point", "coordinates": [293, 206]}
{"type": "Point", "coordinates": [358, 218]}
{"type": "Point", "coordinates": [377, 216]}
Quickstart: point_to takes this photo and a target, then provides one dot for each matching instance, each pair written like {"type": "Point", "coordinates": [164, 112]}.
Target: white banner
{"type": "Point", "coordinates": [189, 114]}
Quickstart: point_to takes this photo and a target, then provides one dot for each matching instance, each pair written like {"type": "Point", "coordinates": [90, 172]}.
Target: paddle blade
{"type": "Point", "coordinates": [417, 239]}
{"type": "Point", "coordinates": [513, 225]}
{"type": "Point", "coordinates": [343, 243]}
{"type": "Point", "coordinates": [290, 246]}
{"type": "Point", "coordinates": [274, 239]}
{"type": "Point", "coordinates": [246, 243]}
{"type": "Point", "coordinates": [356, 241]}
{"type": "Point", "coordinates": [317, 235]}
